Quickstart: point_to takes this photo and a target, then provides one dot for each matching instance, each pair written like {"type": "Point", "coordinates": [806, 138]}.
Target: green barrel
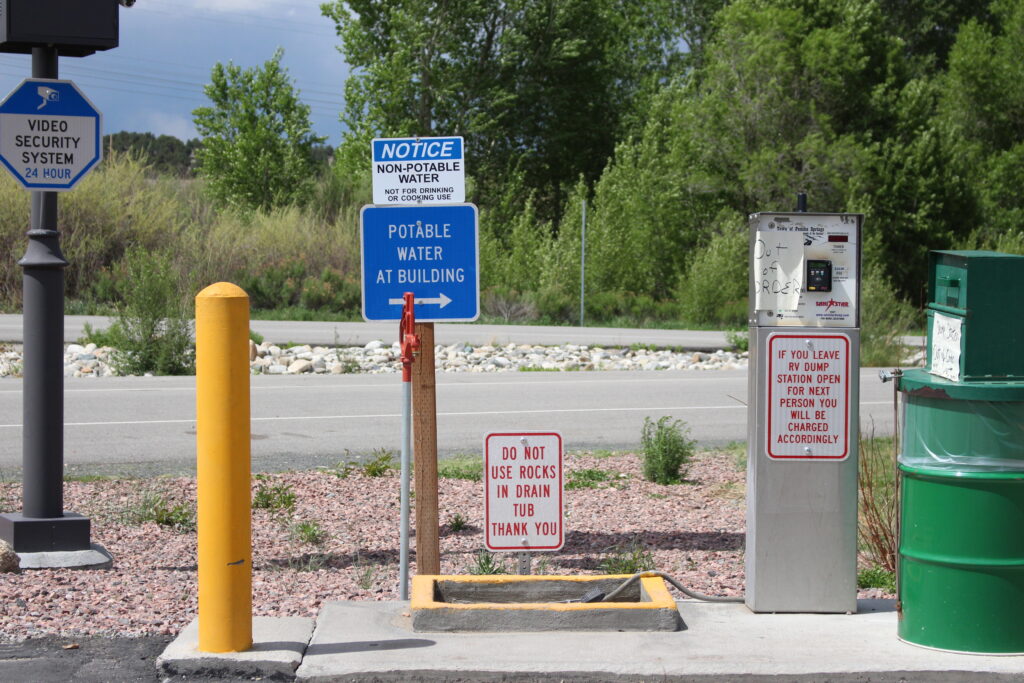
{"type": "Point", "coordinates": [961, 569]}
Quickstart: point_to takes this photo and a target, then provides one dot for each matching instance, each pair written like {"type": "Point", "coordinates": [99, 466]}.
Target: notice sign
{"type": "Point", "coordinates": [523, 491]}
{"type": "Point", "coordinates": [947, 333]}
{"type": "Point", "coordinates": [418, 171]}
{"type": "Point", "coordinates": [808, 397]}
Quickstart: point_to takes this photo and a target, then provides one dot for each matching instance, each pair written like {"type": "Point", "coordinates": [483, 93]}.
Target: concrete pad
{"type": "Point", "coordinates": [374, 641]}
{"type": "Point", "coordinates": [278, 644]}
{"type": "Point", "coordinates": [540, 603]}
{"type": "Point", "coordinates": [96, 557]}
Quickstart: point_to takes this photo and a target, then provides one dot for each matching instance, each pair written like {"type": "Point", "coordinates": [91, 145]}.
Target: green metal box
{"type": "Point", "coordinates": [983, 293]}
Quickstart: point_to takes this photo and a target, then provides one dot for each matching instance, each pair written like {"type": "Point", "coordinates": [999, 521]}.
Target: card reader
{"type": "Point", "coordinates": [819, 275]}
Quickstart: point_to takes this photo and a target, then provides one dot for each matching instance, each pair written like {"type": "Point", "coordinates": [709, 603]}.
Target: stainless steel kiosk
{"type": "Point", "coordinates": [802, 426]}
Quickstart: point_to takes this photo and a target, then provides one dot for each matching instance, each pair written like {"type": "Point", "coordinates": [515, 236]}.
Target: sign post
{"type": "Point", "coordinates": [420, 248]}
{"type": "Point", "coordinates": [49, 139]}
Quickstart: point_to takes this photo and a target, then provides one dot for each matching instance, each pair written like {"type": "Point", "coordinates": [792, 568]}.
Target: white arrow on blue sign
{"type": "Point", "coordinates": [50, 134]}
{"type": "Point", "coordinates": [431, 251]}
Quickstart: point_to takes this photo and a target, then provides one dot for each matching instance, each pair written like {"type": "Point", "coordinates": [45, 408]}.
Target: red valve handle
{"type": "Point", "coordinates": [407, 338]}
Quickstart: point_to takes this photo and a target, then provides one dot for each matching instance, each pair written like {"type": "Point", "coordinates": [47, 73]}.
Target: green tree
{"type": "Point", "coordinates": [258, 146]}
{"type": "Point", "coordinates": [538, 87]}
{"type": "Point", "coordinates": [165, 154]}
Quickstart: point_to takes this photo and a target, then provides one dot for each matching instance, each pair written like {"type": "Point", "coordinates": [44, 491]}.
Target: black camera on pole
{"type": "Point", "coordinates": [77, 28]}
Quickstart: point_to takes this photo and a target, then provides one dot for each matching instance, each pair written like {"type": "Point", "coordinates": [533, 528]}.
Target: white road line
{"type": "Point", "coordinates": [452, 414]}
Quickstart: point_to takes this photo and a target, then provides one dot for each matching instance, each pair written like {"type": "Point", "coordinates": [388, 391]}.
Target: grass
{"type": "Point", "coordinates": [153, 507]}
{"type": "Point", "coordinates": [274, 497]}
{"type": "Point", "coordinates": [379, 465]}
{"type": "Point", "coordinates": [309, 532]}
{"type": "Point", "coordinates": [457, 523]}
{"type": "Point", "coordinates": [591, 479]}
{"type": "Point", "coordinates": [89, 478]}
{"type": "Point", "coordinates": [468, 467]}
{"type": "Point", "coordinates": [486, 563]}
{"type": "Point", "coordinates": [627, 559]}
{"type": "Point", "coordinates": [738, 451]}
{"type": "Point", "coordinates": [876, 577]}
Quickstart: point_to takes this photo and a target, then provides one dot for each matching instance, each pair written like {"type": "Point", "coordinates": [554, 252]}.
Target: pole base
{"type": "Point", "coordinates": [45, 534]}
{"type": "Point", "coordinates": [96, 557]}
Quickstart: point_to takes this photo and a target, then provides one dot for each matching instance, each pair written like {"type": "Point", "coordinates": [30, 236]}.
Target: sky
{"type": "Point", "coordinates": [155, 78]}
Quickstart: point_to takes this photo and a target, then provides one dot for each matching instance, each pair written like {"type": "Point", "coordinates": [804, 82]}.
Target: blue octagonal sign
{"type": "Point", "coordinates": [49, 134]}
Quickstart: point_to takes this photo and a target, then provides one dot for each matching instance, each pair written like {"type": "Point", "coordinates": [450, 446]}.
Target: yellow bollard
{"type": "Point", "coordinates": [224, 507]}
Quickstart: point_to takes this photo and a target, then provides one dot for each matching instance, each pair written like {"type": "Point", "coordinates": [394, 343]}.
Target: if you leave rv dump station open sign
{"type": "Point", "coordinates": [808, 396]}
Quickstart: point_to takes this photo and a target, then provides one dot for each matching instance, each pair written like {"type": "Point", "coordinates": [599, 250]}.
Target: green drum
{"type": "Point", "coordinates": [961, 550]}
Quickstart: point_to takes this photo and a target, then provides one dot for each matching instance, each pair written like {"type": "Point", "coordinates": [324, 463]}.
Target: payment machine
{"type": "Point", "coordinates": [801, 553]}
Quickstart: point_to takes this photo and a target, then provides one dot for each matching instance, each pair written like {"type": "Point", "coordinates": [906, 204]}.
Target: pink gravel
{"type": "Point", "coordinates": [694, 531]}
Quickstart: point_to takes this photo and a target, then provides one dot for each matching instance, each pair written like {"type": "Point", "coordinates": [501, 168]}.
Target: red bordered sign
{"type": "Point", "coordinates": [523, 491]}
{"type": "Point", "coordinates": [808, 397]}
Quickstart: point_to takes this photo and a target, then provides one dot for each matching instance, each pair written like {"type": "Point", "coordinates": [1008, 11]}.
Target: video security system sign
{"type": "Point", "coordinates": [808, 397]}
{"type": "Point", "coordinates": [418, 171]}
{"type": "Point", "coordinates": [431, 251]}
{"type": "Point", "coordinates": [50, 134]}
{"type": "Point", "coordinates": [523, 491]}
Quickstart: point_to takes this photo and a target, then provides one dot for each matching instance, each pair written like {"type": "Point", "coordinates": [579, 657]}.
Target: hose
{"type": "Point", "coordinates": [686, 591]}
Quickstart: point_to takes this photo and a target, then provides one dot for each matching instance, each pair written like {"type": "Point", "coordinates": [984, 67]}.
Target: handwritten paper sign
{"type": "Point", "coordinates": [945, 351]}
{"type": "Point", "coordinates": [778, 270]}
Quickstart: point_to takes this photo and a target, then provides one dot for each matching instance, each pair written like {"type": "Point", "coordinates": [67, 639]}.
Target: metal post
{"type": "Point", "coordinates": [583, 259]}
{"type": "Point", "coordinates": [409, 344]}
{"type": "Point", "coordinates": [223, 503]}
{"type": "Point", "coordinates": [801, 202]}
{"type": "Point", "coordinates": [403, 552]}
{"type": "Point", "coordinates": [43, 526]}
{"type": "Point", "coordinates": [524, 563]}
{"type": "Point", "coordinates": [43, 303]}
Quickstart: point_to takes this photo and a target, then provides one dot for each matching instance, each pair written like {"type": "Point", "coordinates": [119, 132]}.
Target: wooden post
{"type": "Point", "coordinates": [428, 551]}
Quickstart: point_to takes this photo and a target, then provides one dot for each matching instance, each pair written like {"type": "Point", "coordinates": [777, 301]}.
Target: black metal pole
{"type": "Point", "coordinates": [801, 202]}
{"type": "Point", "coordinates": [43, 310]}
{"type": "Point", "coordinates": [43, 525]}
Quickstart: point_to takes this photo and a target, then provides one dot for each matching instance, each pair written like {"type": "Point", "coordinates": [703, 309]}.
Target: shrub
{"type": "Point", "coordinates": [275, 286]}
{"type": "Point", "coordinates": [667, 450]}
{"type": "Point", "coordinates": [878, 524]}
{"type": "Point", "coordinates": [332, 291]}
{"type": "Point", "coordinates": [885, 319]}
{"type": "Point", "coordinates": [714, 289]}
{"type": "Point", "coordinates": [152, 331]}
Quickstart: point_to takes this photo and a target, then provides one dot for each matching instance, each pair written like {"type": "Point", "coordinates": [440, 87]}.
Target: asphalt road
{"type": "Point", "coordinates": [359, 333]}
{"type": "Point", "coordinates": [143, 426]}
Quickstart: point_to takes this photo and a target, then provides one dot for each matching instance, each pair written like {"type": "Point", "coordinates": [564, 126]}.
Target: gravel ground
{"type": "Point", "coordinates": [693, 531]}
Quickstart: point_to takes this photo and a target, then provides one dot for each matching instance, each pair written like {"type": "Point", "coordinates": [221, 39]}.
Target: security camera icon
{"type": "Point", "coordinates": [48, 95]}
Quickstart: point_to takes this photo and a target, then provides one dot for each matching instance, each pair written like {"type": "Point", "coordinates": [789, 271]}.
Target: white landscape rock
{"type": "Point", "coordinates": [377, 357]}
